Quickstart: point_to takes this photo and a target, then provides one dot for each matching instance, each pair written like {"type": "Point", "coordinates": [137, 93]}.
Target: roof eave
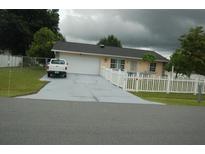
{"type": "Point", "coordinates": [106, 55]}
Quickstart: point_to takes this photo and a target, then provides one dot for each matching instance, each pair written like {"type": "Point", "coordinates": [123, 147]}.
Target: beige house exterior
{"type": "Point", "coordinates": [139, 65]}
{"type": "Point", "coordinates": [90, 59]}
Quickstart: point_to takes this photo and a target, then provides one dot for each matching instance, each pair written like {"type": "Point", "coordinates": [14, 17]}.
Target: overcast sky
{"type": "Point", "coordinates": [157, 30]}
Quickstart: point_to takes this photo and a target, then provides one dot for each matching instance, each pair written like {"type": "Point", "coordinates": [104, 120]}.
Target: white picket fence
{"type": "Point", "coordinates": [10, 61]}
{"type": "Point", "coordinates": [152, 84]}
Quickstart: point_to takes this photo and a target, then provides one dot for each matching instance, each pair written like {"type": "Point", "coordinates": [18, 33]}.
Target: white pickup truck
{"type": "Point", "coordinates": [57, 67]}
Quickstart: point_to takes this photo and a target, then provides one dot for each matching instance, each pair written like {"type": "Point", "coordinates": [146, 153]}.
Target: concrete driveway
{"type": "Point", "coordinates": [88, 88]}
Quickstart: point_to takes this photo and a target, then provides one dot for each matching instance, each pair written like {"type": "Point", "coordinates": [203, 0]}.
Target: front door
{"type": "Point", "coordinates": [133, 66]}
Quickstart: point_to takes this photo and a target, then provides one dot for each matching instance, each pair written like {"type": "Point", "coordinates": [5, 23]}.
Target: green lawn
{"type": "Point", "coordinates": [22, 80]}
{"type": "Point", "coordinates": [172, 98]}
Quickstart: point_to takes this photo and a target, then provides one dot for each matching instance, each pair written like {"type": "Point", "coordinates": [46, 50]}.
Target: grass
{"type": "Point", "coordinates": [172, 98]}
{"type": "Point", "coordinates": [22, 81]}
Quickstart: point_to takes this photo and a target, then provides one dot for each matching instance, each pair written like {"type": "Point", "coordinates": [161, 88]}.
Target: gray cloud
{"type": "Point", "coordinates": [153, 29]}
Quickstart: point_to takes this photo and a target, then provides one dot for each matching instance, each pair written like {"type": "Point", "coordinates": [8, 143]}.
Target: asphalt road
{"type": "Point", "coordinates": [24, 121]}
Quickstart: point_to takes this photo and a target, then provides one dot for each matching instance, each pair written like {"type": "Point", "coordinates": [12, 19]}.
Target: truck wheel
{"type": "Point", "coordinates": [65, 75]}
{"type": "Point", "coordinates": [49, 74]}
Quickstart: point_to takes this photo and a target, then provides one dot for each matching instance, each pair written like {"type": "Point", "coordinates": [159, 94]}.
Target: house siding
{"type": "Point", "coordinates": [127, 64]}
{"type": "Point", "coordinates": [159, 69]}
{"type": "Point", "coordinates": [105, 62]}
{"type": "Point", "coordinates": [142, 66]}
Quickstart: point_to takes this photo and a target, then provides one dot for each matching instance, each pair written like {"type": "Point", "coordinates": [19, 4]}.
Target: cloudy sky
{"type": "Point", "coordinates": [157, 30]}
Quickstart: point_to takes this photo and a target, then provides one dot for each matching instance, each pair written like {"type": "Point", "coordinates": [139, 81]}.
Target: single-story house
{"type": "Point", "coordinates": [89, 59]}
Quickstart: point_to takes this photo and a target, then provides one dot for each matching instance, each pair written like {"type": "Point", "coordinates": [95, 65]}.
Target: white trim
{"type": "Point", "coordinates": [95, 54]}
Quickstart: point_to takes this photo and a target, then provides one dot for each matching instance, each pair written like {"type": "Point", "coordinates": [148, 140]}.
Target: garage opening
{"type": "Point", "coordinates": [82, 64]}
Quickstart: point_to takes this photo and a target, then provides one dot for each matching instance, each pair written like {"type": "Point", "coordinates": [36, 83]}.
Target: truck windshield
{"type": "Point", "coordinates": [57, 62]}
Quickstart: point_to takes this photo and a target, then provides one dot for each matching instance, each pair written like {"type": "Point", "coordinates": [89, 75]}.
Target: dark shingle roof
{"type": "Point", "coordinates": [107, 50]}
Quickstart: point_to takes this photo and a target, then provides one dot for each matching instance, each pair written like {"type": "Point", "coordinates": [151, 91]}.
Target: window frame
{"type": "Point", "coordinates": [152, 67]}
{"type": "Point", "coordinates": [117, 63]}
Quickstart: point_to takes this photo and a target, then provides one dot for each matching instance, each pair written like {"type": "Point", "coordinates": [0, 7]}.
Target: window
{"type": "Point", "coordinates": [122, 65]}
{"type": "Point", "coordinates": [118, 64]}
{"type": "Point", "coordinates": [152, 67]}
{"type": "Point", "coordinates": [113, 63]}
{"type": "Point", "coordinates": [57, 61]}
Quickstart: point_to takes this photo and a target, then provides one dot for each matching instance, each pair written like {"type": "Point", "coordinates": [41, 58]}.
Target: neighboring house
{"type": "Point", "coordinates": [89, 59]}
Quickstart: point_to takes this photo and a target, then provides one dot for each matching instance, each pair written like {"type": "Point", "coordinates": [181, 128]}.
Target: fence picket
{"type": "Point", "coordinates": [151, 84]}
{"type": "Point", "coordinates": [136, 84]}
{"type": "Point", "coordinates": [158, 83]}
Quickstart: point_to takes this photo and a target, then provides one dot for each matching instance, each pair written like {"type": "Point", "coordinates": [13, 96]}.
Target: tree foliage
{"type": "Point", "coordinates": [111, 40]}
{"type": "Point", "coordinates": [190, 57]}
{"type": "Point", "coordinates": [149, 58]}
{"type": "Point", "coordinates": [43, 42]}
{"type": "Point", "coordinates": [181, 63]}
{"type": "Point", "coordinates": [18, 26]}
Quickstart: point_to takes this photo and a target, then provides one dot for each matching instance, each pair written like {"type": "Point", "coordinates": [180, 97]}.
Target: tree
{"type": "Point", "coordinates": [18, 26]}
{"type": "Point", "coordinates": [149, 58]}
{"type": "Point", "coordinates": [190, 57]}
{"type": "Point", "coordinates": [43, 42]}
{"type": "Point", "coordinates": [181, 63]}
{"type": "Point", "coordinates": [111, 40]}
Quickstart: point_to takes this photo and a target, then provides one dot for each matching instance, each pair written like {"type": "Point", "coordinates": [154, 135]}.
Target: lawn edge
{"type": "Point", "coordinates": [34, 92]}
{"type": "Point", "coordinates": [172, 104]}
